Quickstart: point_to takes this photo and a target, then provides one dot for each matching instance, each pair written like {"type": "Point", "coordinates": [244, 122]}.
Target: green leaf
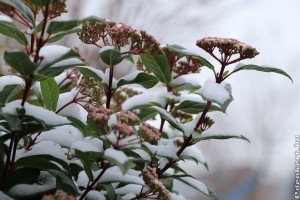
{"type": "Point", "coordinates": [62, 26]}
{"type": "Point", "coordinates": [17, 176]}
{"type": "Point", "coordinates": [194, 107]}
{"type": "Point", "coordinates": [147, 113]}
{"type": "Point", "coordinates": [111, 56]}
{"type": "Point", "coordinates": [62, 34]}
{"type": "Point", "coordinates": [111, 193]}
{"type": "Point", "coordinates": [263, 69]}
{"type": "Point", "coordinates": [183, 51]}
{"type": "Point", "coordinates": [22, 8]}
{"type": "Point", "coordinates": [50, 93]}
{"type": "Point", "coordinates": [10, 30]}
{"type": "Point", "coordinates": [9, 92]}
{"type": "Point", "coordinates": [159, 65]}
{"type": "Point", "coordinates": [168, 117]}
{"type": "Point", "coordinates": [38, 3]}
{"type": "Point", "coordinates": [20, 62]}
{"type": "Point", "coordinates": [86, 163]}
{"type": "Point", "coordinates": [85, 129]}
{"type": "Point", "coordinates": [95, 19]}
{"type": "Point", "coordinates": [143, 79]}
{"type": "Point", "coordinates": [124, 167]}
{"type": "Point", "coordinates": [89, 73]}
{"type": "Point", "coordinates": [221, 137]}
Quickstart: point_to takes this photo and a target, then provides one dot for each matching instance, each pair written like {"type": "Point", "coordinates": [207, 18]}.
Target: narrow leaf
{"type": "Point", "coordinates": [221, 137]}
{"type": "Point", "coordinates": [194, 107]}
{"type": "Point", "coordinates": [50, 93]}
{"type": "Point", "coordinates": [10, 30]}
{"type": "Point", "coordinates": [61, 26]}
{"type": "Point", "coordinates": [159, 65]}
{"type": "Point", "coordinates": [20, 62]}
{"type": "Point", "coordinates": [62, 34]}
{"type": "Point", "coordinates": [143, 79]}
{"type": "Point", "coordinates": [263, 69]}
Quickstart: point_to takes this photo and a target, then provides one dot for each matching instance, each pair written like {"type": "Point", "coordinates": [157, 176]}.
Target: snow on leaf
{"type": "Point", "coordinates": [48, 117]}
{"type": "Point", "coordinates": [195, 153]}
{"type": "Point", "coordinates": [120, 156]}
{"type": "Point", "coordinates": [88, 145]}
{"type": "Point", "coordinates": [10, 80]}
{"type": "Point", "coordinates": [198, 185]}
{"type": "Point", "coordinates": [166, 150]}
{"type": "Point", "coordinates": [95, 195]}
{"type": "Point", "coordinates": [130, 188]}
{"type": "Point", "coordinates": [215, 92]}
{"type": "Point", "coordinates": [5, 18]}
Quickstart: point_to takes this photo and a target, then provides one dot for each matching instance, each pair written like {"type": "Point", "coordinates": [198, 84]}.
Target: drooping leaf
{"type": "Point", "coordinates": [111, 56]}
{"type": "Point", "coordinates": [86, 163]}
{"type": "Point", "coordinates": [61, 26]}
{"type": "Point", "coordinates": [263, 69]}
{"type": "Point", "coordinates": [20, 62]}
{"type": "Point", "coordinates": [168, 117]}
{"type": "Point", "coordinates": [111, 193]}
{"type": "Point", "coordinates": [194, 107]}
{"type": "Point", "coordinates": [159, 65]}
{"type": "Point", "coordinates": [22, 8]}
{"type": "Point", "coordinates": [88, 71]}
{"type": "Point", "coordinates": [143, 79]}
{"type": "Point", "coordinates": [50, 93]}
{"type": "Point", "coordinates": [221, 137]}
{"type": "Point", "coordinates": [62, 34]}
{"type": "Point", "coordinates": [9, 92]}
{"type": "Point", "coordinates": [10, 30]}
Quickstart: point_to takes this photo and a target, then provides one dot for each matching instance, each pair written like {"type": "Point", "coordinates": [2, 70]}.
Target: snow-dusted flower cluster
{"type": "Point", "coordinates": [227, 46]}
{"type": "Point", "coordinates": [149, 133]}
{"type": "Point", "coordinates": [127, 117]}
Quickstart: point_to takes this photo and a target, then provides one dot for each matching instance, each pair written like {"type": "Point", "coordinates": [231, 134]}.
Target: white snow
{"type": "Point", "coordinates": [214, 92]}
{"type": "Point", "coordinates": [67, 62]}
{"type": "Point", "coordinates": [128, 196]}
{"type": "Point", "coordinates": [95, 195]}
{"type": "Point", "coordinates": [73, 109]}
{"type": "Point", "coordinates": [166, 150]}
{"type": "Point", "coordinates": [238, 66]}
{"type": "Point", "coordinates": [46, 148]}
{"type": "Point", "coordinates": [120, 156]}
{"type": "Point", "coordinates": [4, 196]}
{"type": "Point", "coordinates": [40, 113]}
{"type": "Point", "coordinates": [144, 155]}
{"type": "Point", "coordinates": [45, 182]}
{"type": "Point", "coordinates": [196, 184]}
{"type": "Point", "coordinates": [5, 18]}
{"type": "Point", "coordinates": [194, 152]}
{"type": "Point", "coordinates": [175, 196]}
{"type": "Point", "coordinates": [106, 48]}
{"type": "Point", "coordinates": [51, 53]}
{"type": "Point", "coordinates": [88, 145]}
{"type": "Point", "coordinates": [129, 188]}
{"type": "Point", "coordinates": [63, 135]}
{"type": "Point", "coordinates": [10, 80]}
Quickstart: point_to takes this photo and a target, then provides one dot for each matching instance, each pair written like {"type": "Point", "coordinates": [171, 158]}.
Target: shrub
{"type": "Point", "coordinates": [70, 131]}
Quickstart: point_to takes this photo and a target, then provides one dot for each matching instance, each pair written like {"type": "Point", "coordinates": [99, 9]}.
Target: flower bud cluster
{"type": "Point", "coordinates": [58, 8]}
{"type": "Point", "coordinates": [227, 46]}
{"type": "Point", "coordinates": [151, 179]}
{"type": "Point", "coordinates": [59, 195]}
{"type": "Point", "coordinates": [149, 133]}
{"type": "Point", "coordinates": [100, 114]}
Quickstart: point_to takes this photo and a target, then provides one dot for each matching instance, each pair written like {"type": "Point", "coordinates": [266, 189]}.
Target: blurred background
{"type": "Point", "coordinates": [266, 106]}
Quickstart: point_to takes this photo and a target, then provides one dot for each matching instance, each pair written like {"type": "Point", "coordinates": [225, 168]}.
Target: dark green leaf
{"type": "Point", "coordinates": [86, 163]}
{"type": "Point", "coordinates": [22, 8]}
{"type": "Point", "coordinates": [221, 137]}
{"type": "Point", "coordinates": [13, 121]}
{"type": "Point", "coordinates": [50, 93]}
{"type": "Point", "coordinates": [159, 65]}
{"type": "Point", "coordinates": [17, 176]}
{"type": "Point", "coordinates": [8, 92]}
{"type": "Point", "coordinates": [194, 107]}
{"type": "Point", "coordinates": [143, 79]}
{"type": "Point", "coordinates": [20, 62]}
{"type": "Point", "coordinates": [124, 167]}
{"type": "Point", "coordinates": [60, 35]}
{"type": "Point", "coordinates": [147, 113]}
{"type": "Point", "coordinates": [83, 128]}
{"type": "Point", "coordinates": [89, 73]}
{"type": "Point", "coordinates": [93, 19]}
{"type": "Point", "coordinates": [168, 117]}
{"type": "Point", "coordinates": [111, 56]}
{"type": "Point", "coordinates": [111, 194]}
{"type": "Point", "coordinates": [205, 62]}
{"type": "Point", "coordinates": [10, 30]}
{"type": "Point", "coordinates": [61, 26]}
{"type": "Point", "coordinates": [263, 69]}
{"type": "Point", "coordinates": [38, 3]}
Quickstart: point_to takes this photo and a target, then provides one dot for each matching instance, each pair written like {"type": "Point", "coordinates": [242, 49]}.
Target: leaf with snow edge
{"type": "Point", "coordinates": [111, 55]}
{"type": "Point", "coordinates": [159, 65]}
{"type": "Point", "coordinates": [17, 177]}
{"type": "Point", "coordinates": [85, 146]}
{"type": "Point", "coordinates": [164, 150]}
{"type": "Point", "coordinates": [22, 8]}
{"type": "Point", "coordinates": [95, 195]}
{"type": "Point", "coordinates": [183, 51]}
{"type": "Point", "coordinates": [118, 158]}
{"type": "Point", "coordinates": [62, 26]}
{"type": "Point", "coordinates": [93, 19]}
{"type": "Point", "coordinates": [146, 114]}
{"type": "Point", "coordinates": [143, 79]}
{"type": "Point", "coordinates": [20, 61]}
{"type": "Point", "coordinates": [184, 86]}
{"type": "Point", "coordinates": [194, 107]}
{"type": "Point", "coordinates": [86, 163]}
{"type": "Point", "coordinates": [110, 191]}
{"type": "Point", "coordinates": [208, 136]}
{"type": "Point", "coordinates": [85, 129]}
{"type": "Point", "coordinates": [168, 117]}
{"type": "Point", "coordinates": [195, 154]}
{"type": "Point", "coordinates": [9, 92]}
{"type": "Point", "coordinates": [57, 167]}
{"type": "Point", "coordinates": [262, 69]}
{"type": "Point", "coordinates": [50, 93]}
{"type": "Point", "coordinates": [10, 30]}
{"type": "Point", "coordinates": [196, 184]}
{"type": "Point", "coordinates": [62, 34]}
{"type": "Point", "coordinates": [48, 117]}
{"type": "Point", "coordinates": [138, 153]}
{"type": "Point", "coordinates": [92, 72]}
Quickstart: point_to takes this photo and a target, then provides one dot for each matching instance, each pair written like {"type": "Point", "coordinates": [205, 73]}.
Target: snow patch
{"type": "Point", "coordinates": [214, 92]}
{"type": "Point", "coordinates": [120, 156]}
{"type": "Point", "coordinates": [10, 80]}
{"type": "Point", "coordinates": [5, 18]}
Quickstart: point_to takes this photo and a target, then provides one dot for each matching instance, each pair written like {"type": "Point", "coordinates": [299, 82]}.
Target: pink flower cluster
{"type": "Point", "coordinates": [149, 133]}
{"type": "Point", "coordinates": [127, 117]}
{"type": "Point", "coordinates": [124, 129]}
{"type": "Point", "coordinates": [120, 33]}
{"type": "Point", "coordinates": [227, 46]}
{"type": "Point", "coordinates": [151, 179]}
{"type": "Point", "coordinates": [100, 114]}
